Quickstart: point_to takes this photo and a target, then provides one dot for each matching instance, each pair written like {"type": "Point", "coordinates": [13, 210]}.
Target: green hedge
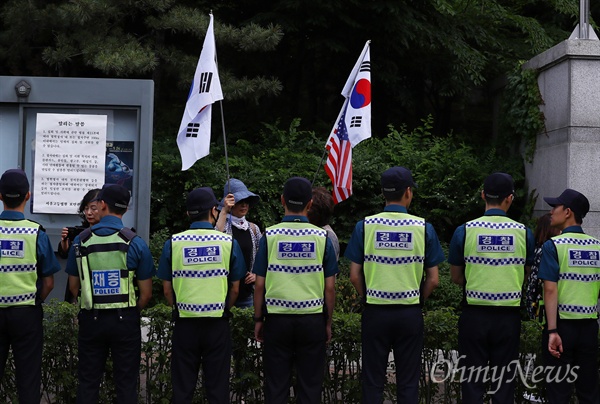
{"type": "Point", "coordinates": [342, 381]}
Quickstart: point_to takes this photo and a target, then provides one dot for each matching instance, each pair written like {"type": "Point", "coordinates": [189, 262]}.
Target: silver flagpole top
{"type": "Point", "coordinates": [584, 30]}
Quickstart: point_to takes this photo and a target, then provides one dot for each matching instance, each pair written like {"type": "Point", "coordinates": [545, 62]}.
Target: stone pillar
{"type": "Point", "coordinates": [568, 155]}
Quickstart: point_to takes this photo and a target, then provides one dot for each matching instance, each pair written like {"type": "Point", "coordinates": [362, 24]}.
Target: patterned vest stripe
{"type": "Point", "coordinates": [200, 262]}
{"type": "Point", "coordinates": [18, 262]}
{"type": "Point", "coordinates": [394, 258]}
{"type": "Point", "coordinates": [495, 252]}
{"type": "Point", "coordinates": [295, 257]}
{"type": "Point", "coordinates": [106, 282]}
{"type": "Point", "coordinates": [579, 277]}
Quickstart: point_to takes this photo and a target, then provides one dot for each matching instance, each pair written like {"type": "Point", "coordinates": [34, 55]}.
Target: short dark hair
{"type": "Point", "coordinates": [322, 207]}
{"type": "Point", "coordinates": [493, 201]}
{"type": "Point", "coordinates": [201, 216]}
{"type": "Point", "coordinates": [395, 195]}
{"type": "Point", "coordinates": [116, 210]}
{"type": "Point", "coordinates": [13, 203]}
{"type": "Point", "coordinates": [578, 218]}
{"type": "Point", "coordinates": [295, 209]}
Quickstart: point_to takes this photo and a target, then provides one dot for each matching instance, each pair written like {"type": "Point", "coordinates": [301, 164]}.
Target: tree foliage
{"type": "Point", "coordinates": [437, 57]}
{"type": "Point", "coordinates": [158, 39]}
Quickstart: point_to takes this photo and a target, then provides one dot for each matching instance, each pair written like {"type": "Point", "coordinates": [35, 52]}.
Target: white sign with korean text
{"type": "Point", "coordinates": [70, 151]}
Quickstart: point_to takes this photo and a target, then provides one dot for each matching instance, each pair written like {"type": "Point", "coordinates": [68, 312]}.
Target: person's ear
{"type": "Point", "coordinates": [568, 212]}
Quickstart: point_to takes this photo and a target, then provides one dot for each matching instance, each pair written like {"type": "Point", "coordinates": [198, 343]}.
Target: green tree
{"type": "Point", "coordinates": [157, 39]}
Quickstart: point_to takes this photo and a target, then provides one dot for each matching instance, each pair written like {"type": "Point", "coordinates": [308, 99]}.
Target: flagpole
{"type": "Point", "coordinates": [225, 145]}
{"type": "Point", "coordinates": [224, 139]}
{"type": "Point", "coordinates": [226, 158]}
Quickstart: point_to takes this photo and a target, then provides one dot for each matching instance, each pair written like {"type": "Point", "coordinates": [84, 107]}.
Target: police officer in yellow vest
{"type": "Point", "coordinates": [489, 257]}
{"type": "Point", "coordinates": [201, 270]}
{"type": "Point", "coordinates": [107, 261]}
{"type": "Point", "coordinates": [27, 257]}
{"type": "Point", "coordinates": [570, 268]}
{"type": "Point", "coordinates": [294, 295]}
{"type": "Point", "coordinates": [394, 266]}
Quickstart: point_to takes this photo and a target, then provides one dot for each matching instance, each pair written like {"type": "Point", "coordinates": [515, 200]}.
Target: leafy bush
{"type": "Point", "coordinates": [449, 174]}
{"type": "Point", "coordinates": [447, 294]}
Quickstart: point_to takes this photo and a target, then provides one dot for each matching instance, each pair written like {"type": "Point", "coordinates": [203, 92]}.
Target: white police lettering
{"type": "Point", "coordinates": [583, 258]}
{"type": "Point", "coordinates": [290, 250]}
{"type": "Point", "coordinates": [393, 240]}
{"type": "Point", "coordinates": [495, 243]}
{"type": "Point", "coordinates": [106, 282]}
{"type": "Point", "coordinates": [13, 248]}
{"type": "Point", "coordinates": [201, 255]}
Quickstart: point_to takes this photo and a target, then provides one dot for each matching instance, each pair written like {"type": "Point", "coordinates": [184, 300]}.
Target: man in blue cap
{"type": "Point", "coordinates": [201, 270]}
{"type": "Point", "coordinates": [570, 268]}
{"type": "Point", "coordinates": [27, 257]}
{"type": "Point", "coordinates": [394, 267]}
{"type": "Point", "coordinates": [294, 297]}
{"type": "Point", "coordinates": [489, 257]}
{"type": "Point", "coordinates": [107, 261]}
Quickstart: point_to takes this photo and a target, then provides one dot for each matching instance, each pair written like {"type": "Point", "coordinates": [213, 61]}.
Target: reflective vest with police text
{"type": "Point", "coordinates": [200, 265]}
{"type": "Point", "coordinates": [495, 252]}
{"type": "Point", "coordinates": [394, 258]}
{"type": "Point", "coordinates": [295, 280]}
{"type": "Point", "coordinates": [18, 262]}
{"type": "Point", "coordinates": [106, 282]}
{"type": "Point", "coordinates": [579, 277]}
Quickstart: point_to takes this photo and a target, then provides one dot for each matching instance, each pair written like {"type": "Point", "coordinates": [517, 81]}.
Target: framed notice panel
{"type": "Point", "coordinates": [72, 135]}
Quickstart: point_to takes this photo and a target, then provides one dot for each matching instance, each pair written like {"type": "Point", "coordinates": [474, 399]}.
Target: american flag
{"type": "Point", "coordinates": [339, 161]}
{"type": "Point", "coordinates": [353, 126]}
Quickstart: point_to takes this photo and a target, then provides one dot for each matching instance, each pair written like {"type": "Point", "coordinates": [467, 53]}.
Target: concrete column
{"type": "Point", "coordinates": [568, 155]}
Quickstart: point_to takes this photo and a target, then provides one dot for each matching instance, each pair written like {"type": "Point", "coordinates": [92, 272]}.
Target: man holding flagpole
{"type": "Point", "coordinates": [193, 138]}
{"type": "Point", "coordinates": [353, 125]}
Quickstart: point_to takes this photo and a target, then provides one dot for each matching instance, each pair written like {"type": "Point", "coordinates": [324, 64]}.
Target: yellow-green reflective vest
{"type": "Point", "coordinates": [18, 262]}
{"type": "Point", "coordinates": [495, 252]}
{"type": "Point", "coordinates": [394, 257]}
{"type": "Point", "coordinates": [579, 278]}
{"type": "Point", "coordinates": [200, 262]}
{"type": "Point", "coordinates": [106, 282]}
{"type": "Point", "coordinates": [295, 281]}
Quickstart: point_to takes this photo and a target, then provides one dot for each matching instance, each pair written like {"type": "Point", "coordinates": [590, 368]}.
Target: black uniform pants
{"type": "Point", "coordinates": [101, 331]}
{"type": "Point", "coordinates": [205, 341]}
{"type": "Point", "coordinates": [580, 348]}
{"type": "Point", "coordinates": [391, 327]}
{"type": "Point", "coordinates": [21, 328]}
{"type": "Point", "coordinates": [294, 340]}
{"type": "Point", "coordinates": [488, 338]}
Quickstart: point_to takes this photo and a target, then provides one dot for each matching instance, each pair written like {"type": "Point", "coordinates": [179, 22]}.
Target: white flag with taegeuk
{"type": "Point", "coordinates": [193, 138]}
